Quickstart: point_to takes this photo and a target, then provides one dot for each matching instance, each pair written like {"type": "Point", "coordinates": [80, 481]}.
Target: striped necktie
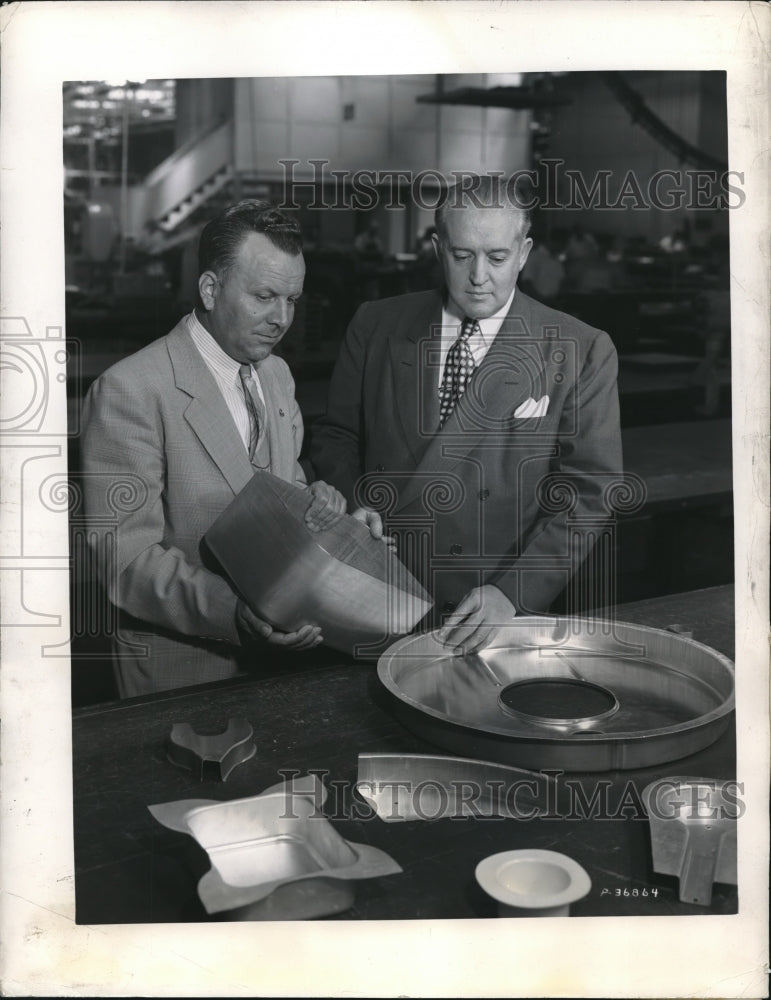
{"type": "Point", "coordinates": [458, 369]}
{"type": "Point", "coordinates": [254, 406]}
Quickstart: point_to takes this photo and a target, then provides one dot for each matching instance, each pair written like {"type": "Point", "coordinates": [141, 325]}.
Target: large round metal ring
{"type": "Point", "coordinates": [665, 695]}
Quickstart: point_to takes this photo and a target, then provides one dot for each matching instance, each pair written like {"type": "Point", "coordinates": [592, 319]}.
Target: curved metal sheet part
{"type": "Point", "coordinates": [671, 695]}
{"type": "Point", "coordinates": [341, 578]}
{"type": "Point", "coordinates": [422, 786]}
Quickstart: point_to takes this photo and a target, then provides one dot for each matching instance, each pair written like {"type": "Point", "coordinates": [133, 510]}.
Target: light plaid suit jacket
{"type": "Point", "coordinates": [157, 423]}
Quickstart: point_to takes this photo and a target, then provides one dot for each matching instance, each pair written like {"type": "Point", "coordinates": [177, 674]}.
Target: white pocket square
{"type": "Point", "coordinates": [532, 408]}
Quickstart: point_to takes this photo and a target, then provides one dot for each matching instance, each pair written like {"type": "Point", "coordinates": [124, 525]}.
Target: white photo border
{"type": "Point", "coordinates": [44, 951]}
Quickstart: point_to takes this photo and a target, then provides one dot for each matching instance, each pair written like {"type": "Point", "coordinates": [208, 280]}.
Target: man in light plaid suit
{"type": "Point", "coordinates": [186, 421]}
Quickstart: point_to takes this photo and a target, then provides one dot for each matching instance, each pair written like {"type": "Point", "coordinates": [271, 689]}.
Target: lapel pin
{"type": "Point", "coordinates": [281, 413]}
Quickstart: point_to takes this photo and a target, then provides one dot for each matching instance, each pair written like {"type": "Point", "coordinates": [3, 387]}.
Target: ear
{"type": "Point", "coordinates": [524, 252]}
{"type": "Point", "coordinates": [208, 283]}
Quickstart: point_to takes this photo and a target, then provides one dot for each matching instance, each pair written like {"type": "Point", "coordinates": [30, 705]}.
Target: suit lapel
{"type": "Point", "coordinates": [511, 372]}
{"type": "Point", "coordinates": [414, 351]}
{"type": "Point", "coordinates": [207, 413]}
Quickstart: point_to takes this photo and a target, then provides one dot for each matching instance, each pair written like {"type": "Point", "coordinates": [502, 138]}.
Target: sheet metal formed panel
{"type": "Point", "coordinates": [341, 578]}
{"type": "Point", "coordinates": [675, 695]}
{"type": "Point", "coordinates": [266, 842]}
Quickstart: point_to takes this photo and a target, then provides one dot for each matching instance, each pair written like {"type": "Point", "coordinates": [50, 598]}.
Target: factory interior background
{"type": "Point", "coordinates": [147, 163]}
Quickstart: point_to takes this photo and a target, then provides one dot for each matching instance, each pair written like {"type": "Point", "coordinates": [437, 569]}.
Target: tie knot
{"type": "Point", "coordinates": [245, 371]}
{"type": "Point", "coordinates": [467, 327]}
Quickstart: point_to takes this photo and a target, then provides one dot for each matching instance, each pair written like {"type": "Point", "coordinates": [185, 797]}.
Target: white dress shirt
{"type": "Point", "coordinates": [226, 372]}
{"type": "Point", "coordinates": [480, 342]}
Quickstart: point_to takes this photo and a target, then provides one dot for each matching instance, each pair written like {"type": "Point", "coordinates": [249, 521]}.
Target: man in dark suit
{"type": "Point", "coordinates": [482, 424]}
{"type": "Point", "coordinates": [172, 434]}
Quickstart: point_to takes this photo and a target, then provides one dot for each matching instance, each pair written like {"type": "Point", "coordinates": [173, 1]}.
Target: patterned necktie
{"type": "Point", "coordinates": [254, 407]}
{"type": "Point", "coordinates": [458, 369]}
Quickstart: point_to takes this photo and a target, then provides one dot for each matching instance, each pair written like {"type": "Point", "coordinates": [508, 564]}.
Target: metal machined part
{"type": "Point", "coordinates": [533, 883]}
{"type": "Point", "coordinates": [222, 751]}
{"type": "Point", "coordinates": [693, 833]}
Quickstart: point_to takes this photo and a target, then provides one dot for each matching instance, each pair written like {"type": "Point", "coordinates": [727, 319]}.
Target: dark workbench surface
{"type": "Point", "coordinates": [131, 869]}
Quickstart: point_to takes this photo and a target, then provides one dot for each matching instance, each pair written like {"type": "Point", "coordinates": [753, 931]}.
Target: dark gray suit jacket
{"type": "Point", "coordinates": [495, 496]}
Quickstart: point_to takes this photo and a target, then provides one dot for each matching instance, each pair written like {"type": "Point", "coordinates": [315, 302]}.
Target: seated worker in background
{"type": "Point", "coordinates": [368, 244]}
{"type": "Point", "coordinates": [471, 416]}
{"type": "Point", "coordinates": [185, 423]}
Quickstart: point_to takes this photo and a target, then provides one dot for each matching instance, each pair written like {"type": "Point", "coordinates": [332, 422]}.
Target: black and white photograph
{"type": "Point", "coordinates": [386, 479]}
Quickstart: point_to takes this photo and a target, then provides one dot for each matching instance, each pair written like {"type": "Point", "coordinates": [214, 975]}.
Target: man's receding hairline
{"type": "Point", "coordinates": [225, 269]}
{"type": "Point", "coordinates": [524, 221]}
{"type": "Point", "coordinates": [267, 235]}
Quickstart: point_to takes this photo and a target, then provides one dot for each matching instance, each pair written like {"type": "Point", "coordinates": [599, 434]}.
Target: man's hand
{"type": "Point", "coordinates": [477, 618]}
{"type": "Point", "coordinates": [374, 522]}
{"type": "Point", "coordinates": [326, 506]}
{"type": "Point", "coordinates": [252, 627]}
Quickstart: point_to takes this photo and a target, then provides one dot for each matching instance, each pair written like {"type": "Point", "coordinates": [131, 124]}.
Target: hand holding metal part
{"type": "Point", "coordinates": [477, 619]}
{"type": "Point", "coordinates": [374, 522]}
{"type": "Point", "coordinates": [252, 627]}
{"type": "Point", "coordinates": [327, 506]}
{"type": "Point", "coordinates": [343, 584]}
{"type": "Point", "coordinates": [578, 694]}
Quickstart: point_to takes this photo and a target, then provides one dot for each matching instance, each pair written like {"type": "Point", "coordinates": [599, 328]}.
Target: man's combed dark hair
{"type": "Point", "coordinates": [223, 235]}
{"type": "Point", "coordinates": [489, 191]}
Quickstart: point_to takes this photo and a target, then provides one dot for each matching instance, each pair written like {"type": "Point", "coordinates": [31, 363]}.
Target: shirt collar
{"type": "Point", "coordinates": [209, 347]}
{"type": "Point", "coordinates": [490, 325]}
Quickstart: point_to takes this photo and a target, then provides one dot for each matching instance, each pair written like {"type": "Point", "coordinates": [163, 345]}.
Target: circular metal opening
{"type": "Point", "coordinates": [558, 702]}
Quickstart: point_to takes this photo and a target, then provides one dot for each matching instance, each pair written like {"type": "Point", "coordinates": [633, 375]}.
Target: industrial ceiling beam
{"type": "Point", "coordinates": [515, 98]}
